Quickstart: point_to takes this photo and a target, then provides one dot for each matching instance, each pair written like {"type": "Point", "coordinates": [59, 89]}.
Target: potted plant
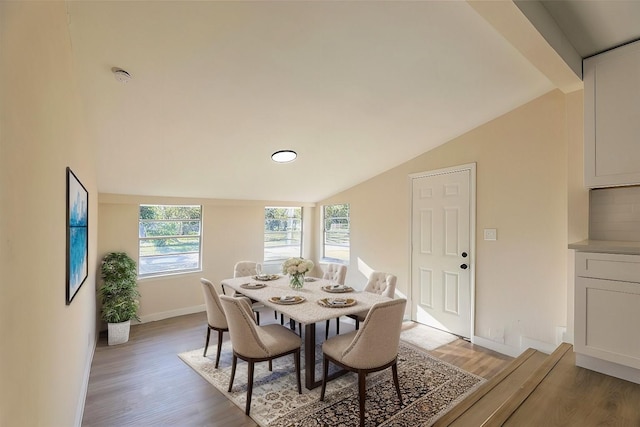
{"type": "Point", "coordinates": [119, 295]}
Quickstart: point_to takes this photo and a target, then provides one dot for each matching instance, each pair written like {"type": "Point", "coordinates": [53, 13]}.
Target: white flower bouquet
{"type": "Point", "coordinates": [296, 268]}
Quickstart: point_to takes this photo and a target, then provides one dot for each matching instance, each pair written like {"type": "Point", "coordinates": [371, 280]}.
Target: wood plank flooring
{"type": "Point", "coordinates": [144, 383]}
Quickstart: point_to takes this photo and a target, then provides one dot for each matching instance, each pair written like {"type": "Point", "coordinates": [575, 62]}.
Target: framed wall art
{"type": "Point", "coordinates": [77, 235]}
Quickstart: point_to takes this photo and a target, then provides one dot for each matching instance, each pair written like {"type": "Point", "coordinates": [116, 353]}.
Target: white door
{"type": "Point", "coordinates": [441, 258]}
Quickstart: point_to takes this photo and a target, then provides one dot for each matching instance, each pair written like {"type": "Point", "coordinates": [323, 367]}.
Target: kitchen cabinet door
{"type": "Point", "coordinates": [612, 117]}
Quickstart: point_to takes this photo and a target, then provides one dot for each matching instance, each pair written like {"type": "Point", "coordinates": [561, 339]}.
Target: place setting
{"type": "Point", "coordinates": [337, 288]}
{"type": "Point", "coordinates": [253, 285]}
{"type": "Point", "coordinates": [337, 302]}
{"type": "Point", "coordinates": [287, 299]}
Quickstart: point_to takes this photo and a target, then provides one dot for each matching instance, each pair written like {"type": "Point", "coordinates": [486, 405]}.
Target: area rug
{"type": "Point", "coordinates": [429, 386]}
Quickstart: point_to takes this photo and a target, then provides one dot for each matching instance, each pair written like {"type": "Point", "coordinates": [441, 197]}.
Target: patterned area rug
{"type": "Point", "coordinates": [429, 388]}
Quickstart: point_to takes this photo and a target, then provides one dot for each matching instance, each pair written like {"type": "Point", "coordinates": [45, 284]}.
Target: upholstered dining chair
{"type": "Point", "coordinates": [336, 273]}
{"type": "Point", "coordinates": [372, 348]}
{"type": "Point", "coordinates": [245, 268]}
{"type": "Point", "coordinates": [380, 283]}
{"type": "Point", "coordinates": [249, 268]}
{"type": "Point", "coordinates": [216, 319]}
{"type": "Point", "coordinates": [253, 343]}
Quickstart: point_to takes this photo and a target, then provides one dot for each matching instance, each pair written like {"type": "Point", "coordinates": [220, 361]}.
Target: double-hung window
{"type": "Point", "coordinates": [170, 239]}
{"type": "Point", "coordinates": [335, 232]}
{"type": "Point", "coordinates": [282, 234]}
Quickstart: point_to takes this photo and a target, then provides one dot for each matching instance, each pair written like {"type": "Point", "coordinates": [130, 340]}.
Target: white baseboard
{"type": "Point", "coordinates": [525, 343]}
{"type": "Point", "coordinates": [172, 313]}
{"type": "Point", "coordinates": [495, 346]}
{"type": "Point", "coordinates": [85, 383]}
{"type": "Point", "coordinates": [542, 346]}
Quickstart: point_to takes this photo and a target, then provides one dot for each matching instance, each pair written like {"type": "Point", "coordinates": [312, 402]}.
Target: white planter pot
{"type": "Point", "coordinates": [118, 333]}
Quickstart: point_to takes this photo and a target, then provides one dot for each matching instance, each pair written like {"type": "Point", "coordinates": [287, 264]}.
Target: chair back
{"type": "Point", "coordinates": [215, 313]}
{"type": "Point", "coordinates": [381, 283]}
{"type": "Point", "coordinates": [244, 333]}
{"type": "Point", "coordinates": [376, 342]}
{"type": "Point", "coordinates": [245, 268]}
{"type": "Point", "coordinates": [336, 273]}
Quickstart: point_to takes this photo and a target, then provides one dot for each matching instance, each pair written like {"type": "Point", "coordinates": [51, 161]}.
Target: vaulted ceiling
{"type": "Point", "coordinates": [356, 88]}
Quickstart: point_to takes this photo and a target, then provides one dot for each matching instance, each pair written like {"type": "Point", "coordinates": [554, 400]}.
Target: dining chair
{"type": "Point", "coordinates": [216, 319]}
{"type": "Point", "coordinates": [244, 269]}
{"type": "Point", "coordinates": [336, 273]}
{"type": "Point", "coordinates": [372, 348]}
{"type": "Point", "coordinates": [380, 283]}
{"type": "Point", "coordinates": [253, 343]}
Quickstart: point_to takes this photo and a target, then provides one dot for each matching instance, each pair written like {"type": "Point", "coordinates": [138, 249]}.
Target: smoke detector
{"type": "Point", "coordinates": [121, 75]}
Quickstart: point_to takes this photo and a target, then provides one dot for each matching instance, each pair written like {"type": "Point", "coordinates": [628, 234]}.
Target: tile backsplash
{"type": "Point", "coordinates": [614, 214]}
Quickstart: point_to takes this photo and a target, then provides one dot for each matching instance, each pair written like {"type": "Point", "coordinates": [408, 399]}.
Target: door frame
{"type": "Point", "coordinates": [471, 167]}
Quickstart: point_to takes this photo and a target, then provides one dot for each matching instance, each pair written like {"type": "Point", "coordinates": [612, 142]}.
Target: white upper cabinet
{"type": "Point", "coordinates": [612, 117]}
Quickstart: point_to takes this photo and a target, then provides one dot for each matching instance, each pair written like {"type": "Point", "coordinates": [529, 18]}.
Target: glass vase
{"type": "Point", "coordinates": [296, 281]}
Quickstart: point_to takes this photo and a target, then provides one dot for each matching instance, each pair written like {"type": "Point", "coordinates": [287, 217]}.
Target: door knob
{"type": "Point", "coordinates": [463, 266]}
{"type": "Point", "coordinates": [464, 254]}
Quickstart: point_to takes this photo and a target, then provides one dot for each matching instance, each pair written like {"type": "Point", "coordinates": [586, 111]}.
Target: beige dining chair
{"type": "Point", "coordinates": [253, 343]}
{"type": "Point", "coordinates": [216, 320]}
{"type": "Point", "coordinates": [372, 348]}
{"type": "Point", "coordinates": [244, 269]}
{"type": "Point", "coordinates": [380, 283]}
{"type": "Point", "coordinates": [336, 273]}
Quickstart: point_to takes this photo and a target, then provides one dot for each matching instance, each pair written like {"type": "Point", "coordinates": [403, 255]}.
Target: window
{"type": "Point", "coordinates": [169, 239]}
{"type": "Point", "coordinates": [335, 245]}
{"type": "Point", "coordinates": [282, 234]}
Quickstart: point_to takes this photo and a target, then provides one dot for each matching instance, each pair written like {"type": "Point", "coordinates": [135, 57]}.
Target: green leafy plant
{"type": "Point", "coordinates": [119, 292]}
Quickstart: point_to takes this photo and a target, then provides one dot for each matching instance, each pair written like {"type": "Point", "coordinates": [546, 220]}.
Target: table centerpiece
{"type": "Point", "coordinates": [296, 268]}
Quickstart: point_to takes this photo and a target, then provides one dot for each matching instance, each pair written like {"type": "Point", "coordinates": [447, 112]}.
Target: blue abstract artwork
{"type": "Point", "coordinates": [77, 235]}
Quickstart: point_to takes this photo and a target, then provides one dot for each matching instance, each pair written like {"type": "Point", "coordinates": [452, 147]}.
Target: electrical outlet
{"type": "Point", "coordinates": [490, 234]}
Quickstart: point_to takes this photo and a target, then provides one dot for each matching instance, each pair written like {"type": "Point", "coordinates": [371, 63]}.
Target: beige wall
{"type": "Point", "coordinates": [46, 345]}
{"type": "Point", "coordinates": [232, 231]}
{"type": "Point", "coordinates": [522, 190]}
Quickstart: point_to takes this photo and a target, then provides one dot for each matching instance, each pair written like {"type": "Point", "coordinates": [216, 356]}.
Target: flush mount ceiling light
{"type": "Point", "coordinates": [284, 156]}
{"type": "Point", "coordinates": [121, 75]}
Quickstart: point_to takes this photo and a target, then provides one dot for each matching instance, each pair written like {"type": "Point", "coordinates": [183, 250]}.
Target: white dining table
{"type": "Point", "coordinates": [308, 312]}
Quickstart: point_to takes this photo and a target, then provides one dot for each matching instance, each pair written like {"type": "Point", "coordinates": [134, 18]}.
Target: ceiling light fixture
{"type": "Point", "coordinates": [284, 156]}
{"type": "Point", "coordinates": [121, 75]}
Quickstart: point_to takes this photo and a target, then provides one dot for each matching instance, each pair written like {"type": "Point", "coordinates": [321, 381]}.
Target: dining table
{"type": "Point", "coordinates": [317, 301]}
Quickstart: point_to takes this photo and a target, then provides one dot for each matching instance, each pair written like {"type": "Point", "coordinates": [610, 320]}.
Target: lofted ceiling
{"type": "Point", "coordinates": [356, 88]}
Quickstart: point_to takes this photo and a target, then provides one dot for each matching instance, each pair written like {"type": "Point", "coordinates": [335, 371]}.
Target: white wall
{"type": "Point", "coordinates": [46, 345]}
{"type": "Point", "coordinates": [233, 230]}
{"type": "Point", "coordinates": [522, 191]}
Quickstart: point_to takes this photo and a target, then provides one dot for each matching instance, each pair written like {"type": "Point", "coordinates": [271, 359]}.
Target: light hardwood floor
{"type": "Point", "coordinates": [144, 383]}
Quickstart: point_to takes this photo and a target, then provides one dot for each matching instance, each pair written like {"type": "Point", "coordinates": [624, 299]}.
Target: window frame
{"type": "Point", "coordinates": [141, 239]}
{"type": "Point", "coordinates": [324, 257]}
{"type": "Point", "coordinates": [269, 263]}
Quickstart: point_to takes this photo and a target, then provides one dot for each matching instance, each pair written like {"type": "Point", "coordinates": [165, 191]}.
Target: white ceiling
{"type": "Point", "coordinates": [356, 88]}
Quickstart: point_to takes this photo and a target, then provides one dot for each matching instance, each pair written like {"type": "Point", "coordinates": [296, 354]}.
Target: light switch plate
{"type": "Point", "coordinates": [490, 234]}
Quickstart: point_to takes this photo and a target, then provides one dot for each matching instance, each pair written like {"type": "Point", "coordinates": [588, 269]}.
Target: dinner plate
{"type": "Point", "coordinates": [335, 290]}
{"type": "Point", "coordinates": [337, 302]}
{"type": "Point", "coordinates": [292, 300]}
{"type": "Point", "coordinates": [252, 285]}
{"type": "Point", "coordinates": [310, 279]}
{"type": "Point", "coordinates": [266, 277]}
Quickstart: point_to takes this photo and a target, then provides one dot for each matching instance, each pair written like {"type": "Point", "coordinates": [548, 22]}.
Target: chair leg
{"type": "Point", "coordinates": [257, 317]}
{"type": "Point", "coordinates": [249, 387]}
{"type": "Point", "coordinates": [325, 373]}
{"type": "Point", "coordinates": [233, 371]}
{"type": "Point", "coordinates": [219, 348]}
{"type": "Point", "coordinates": [275, 314]}
{"type": "Point", "coordinates": [357, 324]}
{"type": "Point", "coordinates": [326, 330]}
{"type": "Point", "coordinates": [337, 326]}
{"type": "Point", "coordinates": [282, 319]}
{"type": "Point", "coordinates": [206, 343]}
{"type": "Point", "coordinates": [270, 365]}
{"type": "Point", "coordinates": [394, 369]}
{"type": "Point", "coordinates": [296, 362]}
{"type": "Point", "coordinates": [362, 390]}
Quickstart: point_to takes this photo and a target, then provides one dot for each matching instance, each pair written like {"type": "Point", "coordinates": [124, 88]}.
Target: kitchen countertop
{"type": "Point", "coordinates": [607, 246]}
